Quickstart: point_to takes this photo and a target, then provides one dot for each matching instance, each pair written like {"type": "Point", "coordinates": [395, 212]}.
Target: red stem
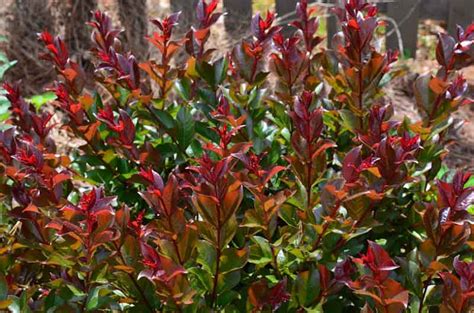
{"type": "Point", "coordinates": [425, 290]}
{"type": "Point", "coordinates": [170, 224]}
{"type": "Point", "coordinates": [218, 249]}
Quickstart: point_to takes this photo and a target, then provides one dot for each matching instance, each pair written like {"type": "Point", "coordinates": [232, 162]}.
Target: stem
{"type": "Point", "coordinates": [216, 276]}
{"type": "Point", "coordinates": [88, 258]}
{"type": "Point", "coordinates": [275, 261]}
{"type": "Point", "coordinates": [426, 284]}
{"type": "Point", "coordinates": [254, 69]}
{"type": "Point", "coordinates": [290, 81]}
{"type": "Point", "coordinates": [218, 250]}
{"type": "Point", "coordinates": [309, 167]}
{"type": "Point", "coordinates": [87, 289]}
{"type": "Point", "coordinates": [361, 96]}
{"type": "Point", "coordinates": [164, 63]}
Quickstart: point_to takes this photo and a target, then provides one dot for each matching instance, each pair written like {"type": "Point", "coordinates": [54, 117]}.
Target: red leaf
{"type": "Point", "coordinates": [261, 296]}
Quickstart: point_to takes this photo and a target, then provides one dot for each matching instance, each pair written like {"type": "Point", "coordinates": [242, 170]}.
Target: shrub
{"type": "Point", "coordinates": [270, 179]}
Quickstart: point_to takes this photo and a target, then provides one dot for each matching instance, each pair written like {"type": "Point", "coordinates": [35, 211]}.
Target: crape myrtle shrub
{"type": "Point", "coordinates": [270, 179]}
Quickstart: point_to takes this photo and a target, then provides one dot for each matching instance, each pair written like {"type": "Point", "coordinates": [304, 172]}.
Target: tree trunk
{"type": "Point", "coordinates": [77, 33]}
{"type": "Point", "coordinates": [74, 15]}
{"type": "Point", "coordinates": [25, 19]}
{"type": "Point", "coordinates": [187, 12]}
{"type": "Point", "coordinates": [134, 19]}
{"type": "Point", "coordinates": [238, 18]}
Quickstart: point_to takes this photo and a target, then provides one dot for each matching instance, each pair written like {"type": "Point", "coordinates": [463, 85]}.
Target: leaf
{"type": "Point", "coordinates": [39, 100]}
{"type": "Point", "coordinates": [125, 268]}
{"type": "Point", "coordinates": [220, 70]}
{"type": "Point", "coordinates": [165, 118]}
{"type": "Point", "coordinates": [438, 86]}
{"type": "Point", "coordinates": [307, 287]}
{"type": "Point", "coordinates": [233, 259]}
{"type": "Point", "coordinates": [202, 278]}
{"type": "Point", "coordinates": [183, 87]}
{"type": "Point", "coordinates": [185, 128]}
{"type": "Point", "coordinates": [228, 231]}
{"type": "Point", "coordinates": [207, 256]}
{"type": "Point", "coordinates": [232, 200]}
{"type": "Point", "coordinates": [427, 252]}
{"type": "Point", "coordinates": [3, 287]}
{"type": "Point", "coordinates": [349, 120]}
{"type": "Point", "coordinates": [424, 95]}
{"type": "Point", "coordinates": [228, 281]}
{"type": "Point", "coordinates": [206, 71]}
{"type": "Point", "coordinates": [4, 304]}
{"type": "Point", "coordinates": [93, 299]}
{"type": "Point", "coordinates": [261, 253]}
{"type": "Point", "coordinates": [261, 296]}
{"type": "Point", "coordinates": [226, 298]}
{"type": "Point", "coordinates": [5, 67]}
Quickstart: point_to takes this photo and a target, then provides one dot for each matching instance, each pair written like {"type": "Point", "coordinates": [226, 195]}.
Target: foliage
{"type": "Point", "coordinates": [5, 65]}
{"type": "Point", "coordinates": [269, 179]}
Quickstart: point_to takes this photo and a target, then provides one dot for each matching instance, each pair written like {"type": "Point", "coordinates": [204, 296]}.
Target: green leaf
{"type": "Point", "coordinates": [470, 182]}
{"type": "Point", "coordinates": [207, 256]}
{"type": "Point", "coordinates": [5, 67]}
{"type": "Point", "coordinates": [196, 146]}
{"type": "Point", "coordinates": [203, 130]}
{"type": "Point", "coordinates": [228, 231]}
{"type": "Point", "coordinates": [307, 287]}
{"type": "Point", "coordinates": [3, 287]}
{"type": "Point", "coordinates": [123, 95]}
{"type": "Point", "coordinates": [165, 118]}
{"type": "Point", "coordinates": [252, 219]}
{"type": "Point", "coordinates": [261, 253]}
{"type": "Point", "coordinates": [225, 298]}
{"type": "Point", "coordinates": [470, 209]}
{"type": "Point", "coordinates": [98, 298]}
{"type": "Point", "coordinates": [233, 259]}
{"type": "Point", "coordinates": [166, 149]}
{"type": "Point", "coordinates": [100, 175]}
{"type": "Point", "coordinates": [39, 100]}
{"type": "Point", "coordinates": [57, 258]}
{"type": "Point", "coordinates": [183, 88]}
{"type": "Point", "coordinates": [213, 74]}
{"type": "Point", "coordinates": [75, 291]}
{"type": "Point", "coordinates": [228, 281]}
{"type": "Point", "coordinates": [93, 299]}
{"type": "Point", "coordinates": [20, 305]}
{"type": "Point", "coordinates": [206, 71]}
{"type": "Point", "coordinates": [349, 120]}
{"type": "Point", "coordinates": [201, 278]}
{"type": "Point", "coordinates": [220, 70]}
{"type": "Point", "coordinates": [207, 96]}
{"type": "Point", "coordinates": [185, 133]}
